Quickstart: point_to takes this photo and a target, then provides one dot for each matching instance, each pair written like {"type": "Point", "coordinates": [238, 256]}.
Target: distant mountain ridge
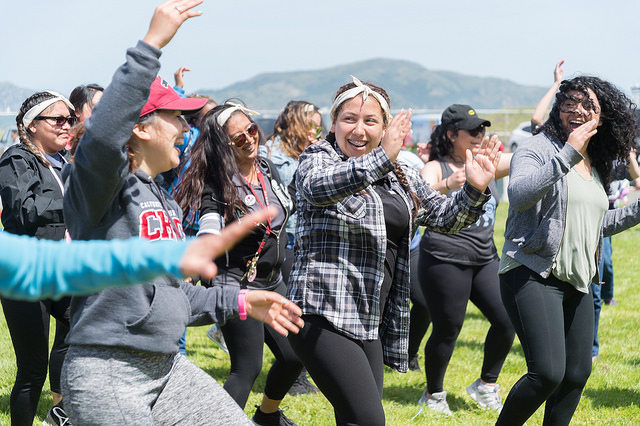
{"type": "Point", "coordinates": [408, 84]}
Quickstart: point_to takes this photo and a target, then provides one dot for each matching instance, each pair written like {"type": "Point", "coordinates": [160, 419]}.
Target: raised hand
{"type": "Point", "coordinates": [197, 260]}
{"type": "Point", "coordinates": [579, 138]}
{"type": "Point", "coordinates": [166, 20]}
{"type": "Point", "coordinates": [481, 168]}
{"type": "Point", "coordinates": [275, 310]}
{"type": "Point", "coordinates": [395, 133]}
{"type": "Point", "coordinates": [557, 72]}
{"type": "Point", "coordinates": [178, 76]}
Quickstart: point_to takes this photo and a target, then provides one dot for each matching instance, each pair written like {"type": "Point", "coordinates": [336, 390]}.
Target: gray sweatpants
{"type": "Point", "coordinates": [104, 385]}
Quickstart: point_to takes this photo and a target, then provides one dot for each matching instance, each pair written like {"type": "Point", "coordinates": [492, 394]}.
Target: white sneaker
{"type": "Point", "coordinates": [214, 333]}
{"type": "Point", "coordinates": [485, 395]}
{"type": "Point", "coordinates": [437, 402]}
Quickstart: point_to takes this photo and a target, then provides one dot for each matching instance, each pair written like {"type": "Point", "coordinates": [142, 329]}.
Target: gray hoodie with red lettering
{"type": "Point", "coordinates": [104, 200]}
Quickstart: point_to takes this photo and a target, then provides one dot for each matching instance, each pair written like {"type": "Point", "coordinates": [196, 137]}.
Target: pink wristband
{"type": "Point", "coordinates": [242, 305]}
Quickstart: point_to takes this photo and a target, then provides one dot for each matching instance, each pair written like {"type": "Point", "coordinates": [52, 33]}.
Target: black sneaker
{"type": "Point", "coordinates": [57, 417]}
{"type": "Point", "coordinates": [302, 385]}
{"type": "Point", "coordinates": [414, 365]}
{"type": "Point", "coordinates": [272, 419]}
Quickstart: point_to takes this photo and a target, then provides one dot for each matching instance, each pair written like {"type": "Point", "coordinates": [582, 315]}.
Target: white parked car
{"type": "Point", "coordinates": [520, 133]}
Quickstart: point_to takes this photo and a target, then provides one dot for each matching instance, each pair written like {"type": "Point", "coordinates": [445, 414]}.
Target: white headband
{"type": "Point", "coordinates": [366, 91]}
{"type": "Point", "coordinates": [224, 115]}
{"type": "Point", "coordinates": [37, 109]}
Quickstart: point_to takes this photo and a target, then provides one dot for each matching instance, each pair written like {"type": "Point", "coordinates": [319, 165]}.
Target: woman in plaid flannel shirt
{"type": "Point", "coordinates": [357, 211]}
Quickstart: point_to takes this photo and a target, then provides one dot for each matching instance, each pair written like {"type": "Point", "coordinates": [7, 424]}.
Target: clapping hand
{"type": "Point", "coordinates": [481, 168]}
{"type": "Point", "coordinates": [395, 133]}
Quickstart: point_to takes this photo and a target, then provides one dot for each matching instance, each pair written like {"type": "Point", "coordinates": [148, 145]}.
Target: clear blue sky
{"type": "Point", "coordinates": [59, 44]}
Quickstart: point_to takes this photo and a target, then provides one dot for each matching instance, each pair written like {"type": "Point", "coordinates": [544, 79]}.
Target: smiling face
{"type": "Point", "coordinates": [466, 139]}
{"type": "Point", "coordinates": [237, 125]}
{"type": "Point", "coordinates": [578, 109]}
{"type": "Point", "coordinates": [47, 136]}
{"type": "Point", "coordinates": [166, 131]}
{"type": "Point", "coordinates": [359, 126]}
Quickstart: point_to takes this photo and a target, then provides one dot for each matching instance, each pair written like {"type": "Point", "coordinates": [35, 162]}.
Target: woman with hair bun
{"type": "Point", "coordinates": [32, 190]}
{"type": "Point", "coordinates": [357, 212]}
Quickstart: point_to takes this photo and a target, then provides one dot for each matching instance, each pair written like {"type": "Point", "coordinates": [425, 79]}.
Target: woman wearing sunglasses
{"type": "Point", "coordinates": [457, 268]}
{"type": "Point", "coordinates": [358, 209]}
{"type": "Point", "coordinates": [225, 181]}
{"type": "Point", "coordinates": [31, 189]}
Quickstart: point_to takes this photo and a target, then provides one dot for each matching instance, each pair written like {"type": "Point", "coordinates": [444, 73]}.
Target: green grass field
{"type": "Point", "coordinates": [612, 395]}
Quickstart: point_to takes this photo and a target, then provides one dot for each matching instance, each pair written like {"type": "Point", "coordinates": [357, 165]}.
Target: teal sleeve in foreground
{"type": "Point", "coordinates": [32, 269]}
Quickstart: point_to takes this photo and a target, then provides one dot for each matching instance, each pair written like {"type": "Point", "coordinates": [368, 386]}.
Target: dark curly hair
{"type": "Point", "coordinates": [213, 161]}
{"type": "Point", "coordinates": [441, 145]}
{"type": "Point", "coordinates": [616, 135]}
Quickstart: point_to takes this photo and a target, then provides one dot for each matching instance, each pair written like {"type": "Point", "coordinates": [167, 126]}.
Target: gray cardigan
{"type": "Point", "coordinates": [538, 204]}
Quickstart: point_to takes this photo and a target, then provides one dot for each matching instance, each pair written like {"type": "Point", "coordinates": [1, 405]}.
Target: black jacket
{"type": "Point", "coordinates": [272, 255]}
{"type": "Point", "coordinates": [31, 196]}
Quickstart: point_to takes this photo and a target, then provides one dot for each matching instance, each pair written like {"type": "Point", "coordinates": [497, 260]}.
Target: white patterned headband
{"type": "Point", "coordinates": [226, 114]}
{"type": "Point", "coordinates": [37, 109]}
{"type": "Point", "coordinates": [366, 91]}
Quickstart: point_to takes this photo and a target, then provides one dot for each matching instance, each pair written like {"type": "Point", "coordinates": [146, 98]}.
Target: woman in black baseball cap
{"type": "Point", "coordinates": [456, 268]}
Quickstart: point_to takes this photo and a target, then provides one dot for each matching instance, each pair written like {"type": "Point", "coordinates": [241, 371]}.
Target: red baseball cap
{"type": "Point", "coordinates": [163, 96]}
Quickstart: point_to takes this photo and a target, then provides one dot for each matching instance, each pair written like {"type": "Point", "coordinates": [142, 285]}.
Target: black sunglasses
{"type": "Point", "coordinates": [480, 130]}
{"type": "Point", "coordinates": [59, 121]}
{"type": "Point", "coordinates": [241, 139]}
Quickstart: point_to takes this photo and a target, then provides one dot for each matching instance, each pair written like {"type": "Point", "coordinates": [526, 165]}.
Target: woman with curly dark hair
{"type": "Point", "coordinates": [558, 215]}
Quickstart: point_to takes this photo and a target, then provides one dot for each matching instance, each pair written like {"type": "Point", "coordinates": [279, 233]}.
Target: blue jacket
{"type": "Point", "coordinates": [40, 269]}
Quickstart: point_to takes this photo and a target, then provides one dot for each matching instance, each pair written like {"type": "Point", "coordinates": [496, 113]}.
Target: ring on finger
{"type": "Point", "coordinates": [178, 9]}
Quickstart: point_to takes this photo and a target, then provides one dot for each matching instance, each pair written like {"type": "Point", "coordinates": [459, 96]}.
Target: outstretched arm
{"type": "Point", "coordinates": [541, 109]}
{"type": "Point", "coordinates": [275, 310]}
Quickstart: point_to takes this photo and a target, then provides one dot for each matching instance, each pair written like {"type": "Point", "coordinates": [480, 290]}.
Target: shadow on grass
{"type": "Point", "coordinates": [612, 397]}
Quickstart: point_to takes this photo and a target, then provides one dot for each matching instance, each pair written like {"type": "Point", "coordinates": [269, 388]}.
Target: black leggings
{"type": "Point", "coordinates": [245, 341]}
{"type": "Point", "coordinates": [349, 372]}
{"type": "Point", "coordinates": [554, 322]}
{"type": "Point", "coordinates": [448, 287]}
{"type": "Point", "coordinates": [419, 317]}
{"type": "Point", "coordinates": [28, 324]}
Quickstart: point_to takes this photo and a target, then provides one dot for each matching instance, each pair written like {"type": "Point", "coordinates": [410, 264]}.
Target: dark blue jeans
{"type": "Point", "coordinates": [603, 291]}
{"type": "Point", "coordinates": [554, 323]}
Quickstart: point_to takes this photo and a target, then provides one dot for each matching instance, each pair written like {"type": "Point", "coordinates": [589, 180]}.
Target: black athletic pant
{"type": "Point", "coordinates": [448, 287]}
{"type": "Point", "coordinates": [245, 341]}
{"type": "Point", "coordinates": [349, 372]}
{"type": "Point", "coordinates": [28, 324]}
{"type": "Point", "coordinates": [554, 322]}
{"type": "Point", "coordinates": [419, 317]}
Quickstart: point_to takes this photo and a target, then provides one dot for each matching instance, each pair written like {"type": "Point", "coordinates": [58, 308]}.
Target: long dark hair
{"type": "Point", "coordinates": [213, 162]}
{"type": "Point", "coordinates": [441, 145]}
{"type": "Point", "coordinates": [616, 135]}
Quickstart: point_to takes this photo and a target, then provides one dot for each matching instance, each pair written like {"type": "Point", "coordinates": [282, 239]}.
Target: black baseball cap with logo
{"type": "Point", "coordinates": [464, 117]}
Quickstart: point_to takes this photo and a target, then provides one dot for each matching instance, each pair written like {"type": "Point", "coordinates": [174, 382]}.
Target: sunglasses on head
{"type": "Point", "coordinates": [59, 121]}
{"type": "Point", "coordinates": [241, 139]}
{"type": "Point", "coordinates": [477, 131]}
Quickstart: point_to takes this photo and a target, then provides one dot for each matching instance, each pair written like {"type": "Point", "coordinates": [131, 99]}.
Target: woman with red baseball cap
{"type": "Point", "coordinates": [128, 338]}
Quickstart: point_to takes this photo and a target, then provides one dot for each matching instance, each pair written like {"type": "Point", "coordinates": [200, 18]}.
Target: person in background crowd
{"type": "Point", "coordinates": [558, 215]}
{"type": "Point", "coordinates": [128, 337]}
{"type": "Point", "coordinates": [457, 268]}
{"type": "Point", "coordinates": [83, 98]}
{"type": "Point", "coordinates": [227, 179]}
{"type": "Point", "coordinates": [31, 189]}
{"type": "Point", "coordinates": [297, 126]}
{"type": "Point", "coordinates": [357, 211]}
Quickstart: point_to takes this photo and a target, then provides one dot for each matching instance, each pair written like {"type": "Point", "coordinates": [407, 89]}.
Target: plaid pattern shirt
{"type": "Point", "coordinates": [341, 243]}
